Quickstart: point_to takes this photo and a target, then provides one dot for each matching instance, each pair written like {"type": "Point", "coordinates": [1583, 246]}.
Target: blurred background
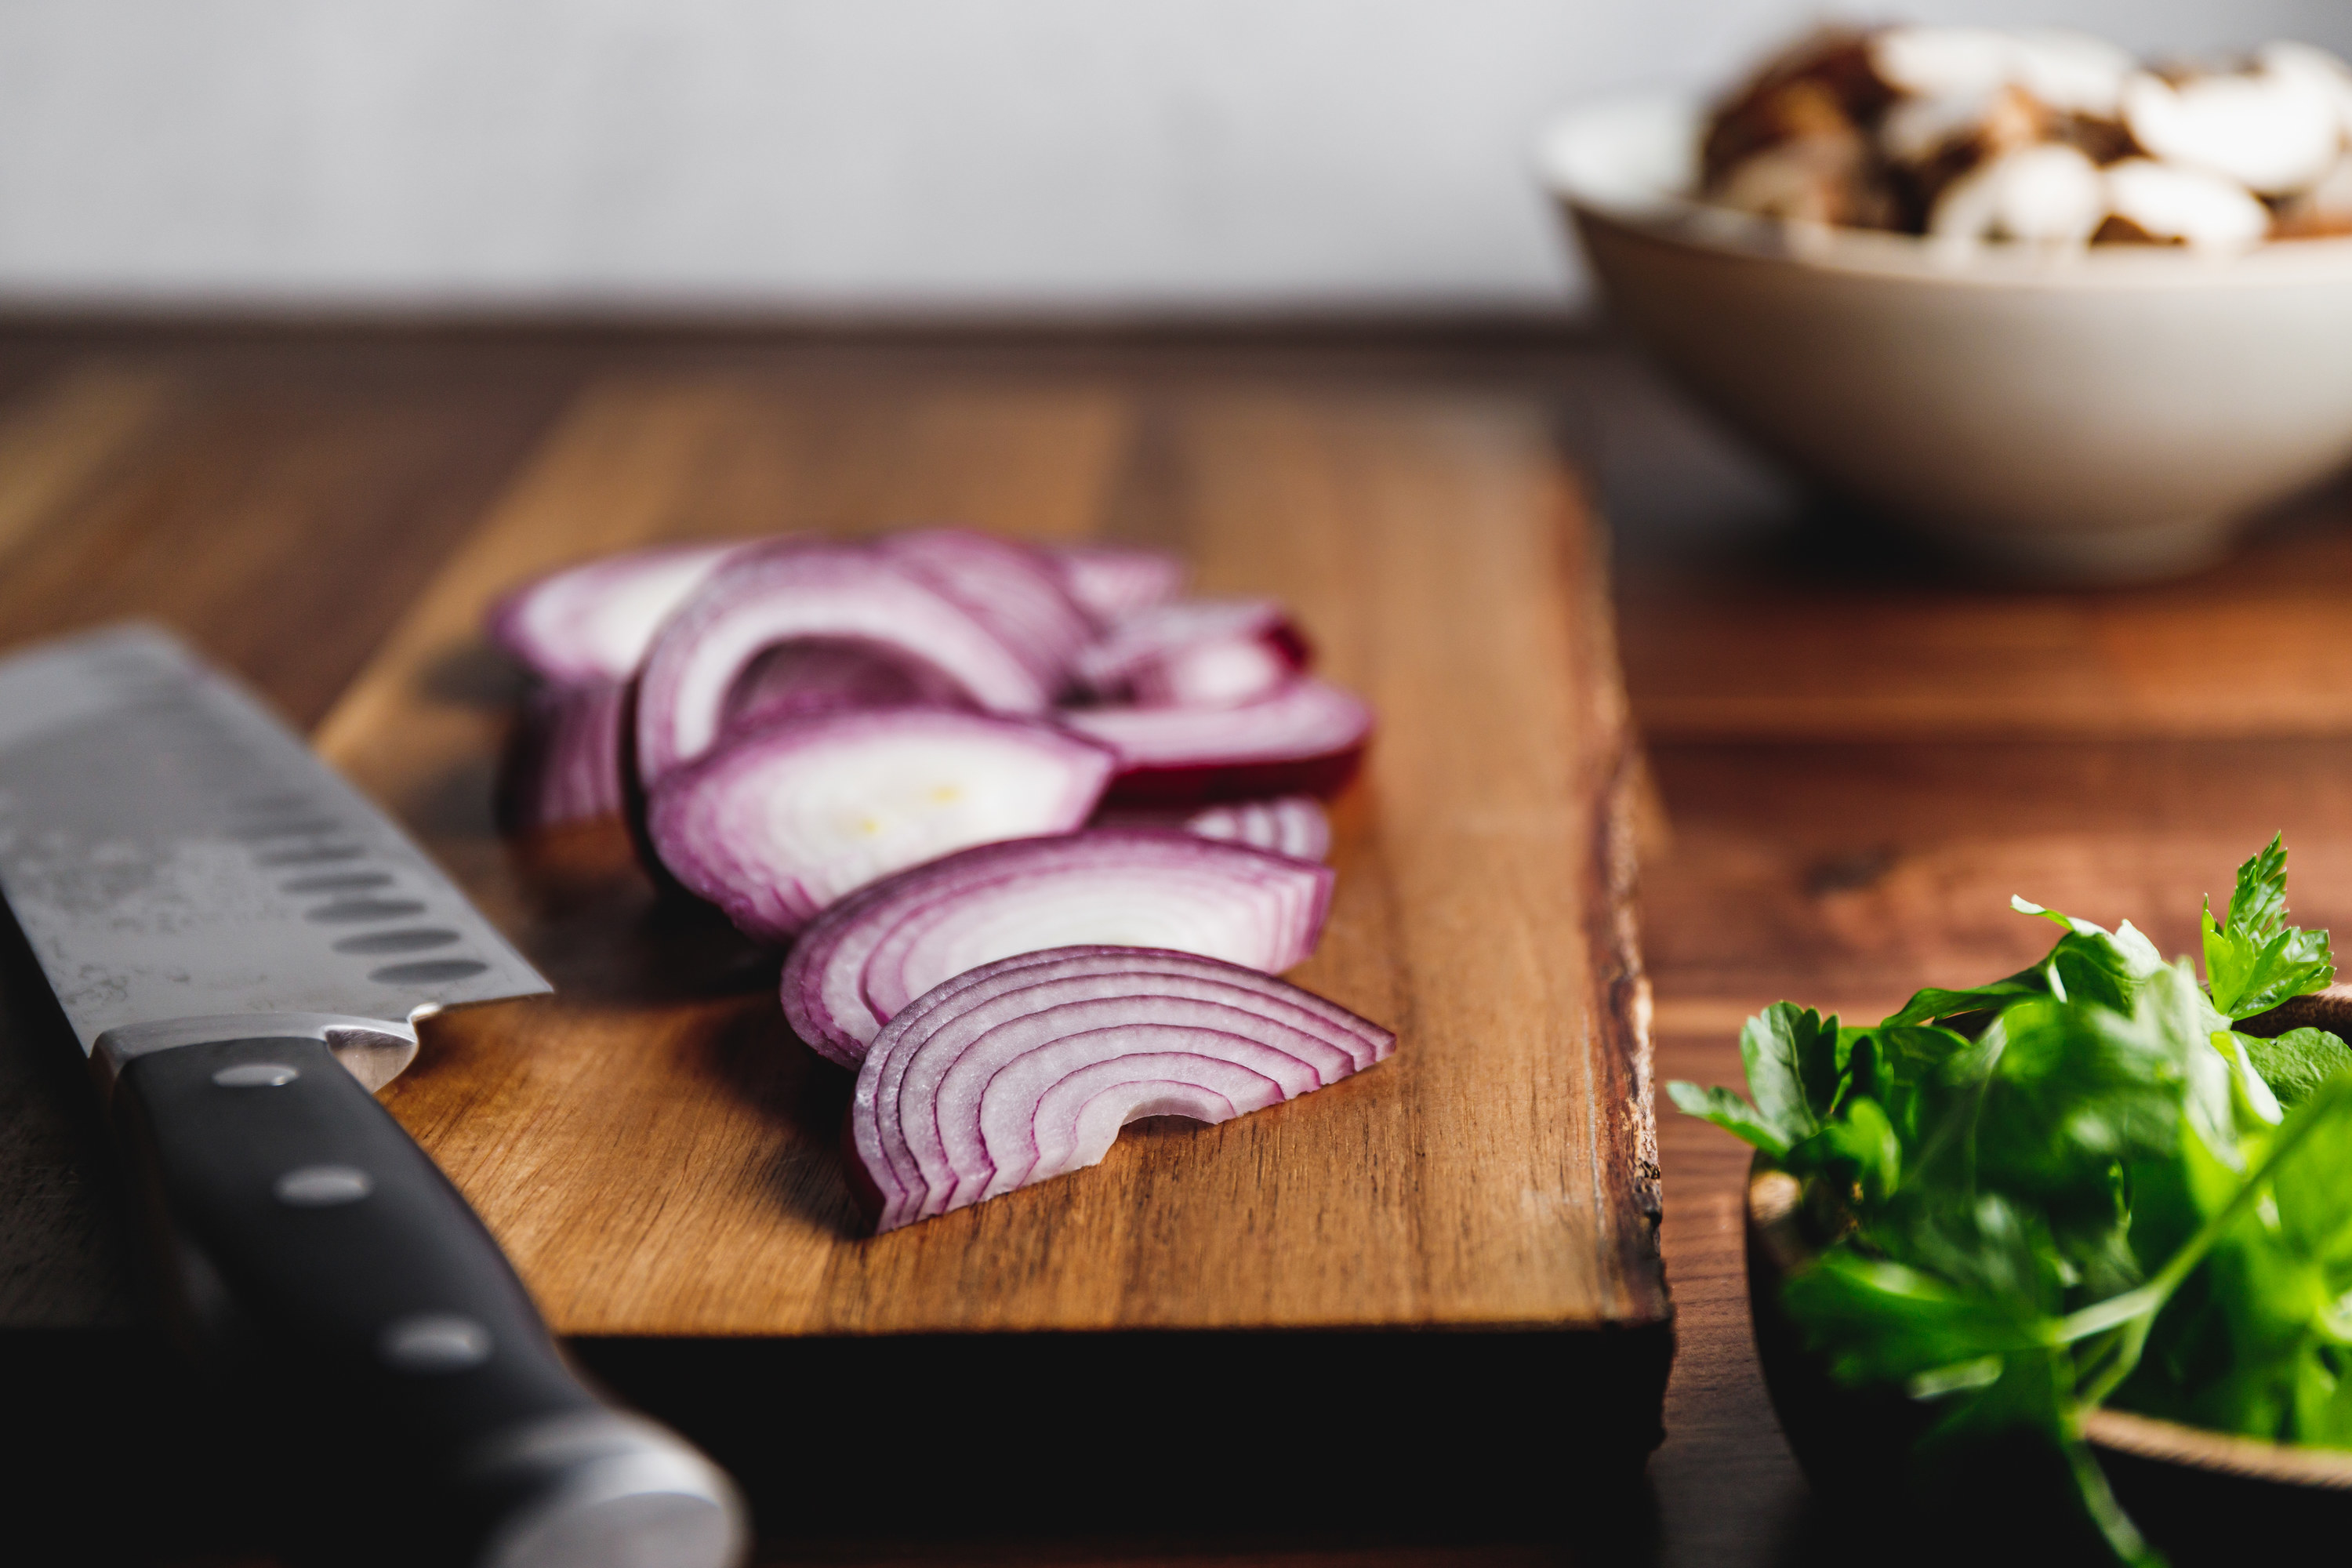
{"type": "Point", "coordinates": [931, 158]}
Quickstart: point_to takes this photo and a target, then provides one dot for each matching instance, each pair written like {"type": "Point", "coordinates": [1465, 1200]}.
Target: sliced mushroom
{"type": "Point", "coordinates": [2272, 132]}
{"type": "Point", "coordinates": [1821, 86]}
{"type": "Point", "coordinates": [1816, 179]}
{"type": "Point", "coordinates": [1944, 62]}
{"type": "Point", "coordinates": [2188, 206]}
{"type": "Point", "coordinates": [2050, 193]}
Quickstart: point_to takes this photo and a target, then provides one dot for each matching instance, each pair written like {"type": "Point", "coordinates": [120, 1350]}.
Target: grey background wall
{"type": "Point", "coordinates": [955, 156]}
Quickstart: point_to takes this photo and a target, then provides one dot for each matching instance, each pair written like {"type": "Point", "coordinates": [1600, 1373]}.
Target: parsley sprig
{"type": "Point", "coordinates": [2082, 1183]}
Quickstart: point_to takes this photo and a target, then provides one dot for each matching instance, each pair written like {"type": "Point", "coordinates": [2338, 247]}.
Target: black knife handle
{"type": "Point", "coordinates": [304, 1223]}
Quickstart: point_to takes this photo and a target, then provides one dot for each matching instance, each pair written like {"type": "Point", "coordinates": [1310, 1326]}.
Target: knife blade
{"type": "Point", "coordinates": [244, 945]}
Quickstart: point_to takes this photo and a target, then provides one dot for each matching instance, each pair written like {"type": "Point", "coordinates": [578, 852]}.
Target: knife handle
{"type": "Point", "coordinates": [302, 1221]}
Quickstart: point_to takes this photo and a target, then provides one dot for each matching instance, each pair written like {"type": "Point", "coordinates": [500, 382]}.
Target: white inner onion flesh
{"type": "Point", "coordinates": [859, 811]}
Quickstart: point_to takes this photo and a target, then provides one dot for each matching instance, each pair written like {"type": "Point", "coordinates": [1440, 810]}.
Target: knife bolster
{"type": "Point", "coordinates": [371, 1049]}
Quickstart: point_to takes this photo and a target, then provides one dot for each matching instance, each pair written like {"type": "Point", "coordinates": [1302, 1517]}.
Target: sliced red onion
{"type": "Point", "coordinates": [563, 761]}
{"type": "Point", "coordinates": [1013, 588]}
{"type": "Point", "coordinates": [878, 949]}
{"type": "Point", "coordinates": [594, 622]}
{"type": "Point", "coordinates": [1197, 653]}
{"type": "Point", "coordinates": [1291, 824]}
{"type": "Point", "coordinates": [800, 680]}
{"type": "Point", "coordinates": [1307, 737]}
{"type": "Point", "coordinates": [781, 822]}
{"type": "Point", "coordinates": [789, 592]}
{"type": "Point", "coordinates": [1026, 1068]}
{"type": "Point", "coordinates": [1110, 581]}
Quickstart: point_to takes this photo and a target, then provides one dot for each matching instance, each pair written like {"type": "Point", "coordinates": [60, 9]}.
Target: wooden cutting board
{"type": "Point", "coordinates": [662, 1158]}
{"type": "Point", "coordinates": [1404, 1261]}
{"type": "Point", "coordinates": [1417, 1266]}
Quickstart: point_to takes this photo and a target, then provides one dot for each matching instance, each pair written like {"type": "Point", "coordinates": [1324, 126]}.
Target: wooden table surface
{"type": "Point", "coordinates": [1857, 753]}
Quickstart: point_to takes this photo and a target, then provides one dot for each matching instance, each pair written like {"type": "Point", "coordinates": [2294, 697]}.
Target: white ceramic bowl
{"type": "Point", "coordinates": [2112, 413]}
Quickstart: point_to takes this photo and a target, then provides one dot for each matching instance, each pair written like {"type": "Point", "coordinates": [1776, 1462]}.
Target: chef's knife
{"type": "Point", "coordinates": [244, 945]}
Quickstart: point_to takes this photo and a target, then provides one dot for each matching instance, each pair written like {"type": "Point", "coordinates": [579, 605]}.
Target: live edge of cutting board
{"type": "Point", "coordinates": [662, 1158]}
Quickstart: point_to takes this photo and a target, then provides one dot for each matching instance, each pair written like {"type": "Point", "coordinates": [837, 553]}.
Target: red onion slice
{"type": "Point", "coordinates": [1106, 958]}
{"type": "Point", "coordinates": [1113, 580]}
{"type": "Point", "coordinates": [563, 761]}
{"type": "Point", "coordinates": [1090, 976]}
{"type": "Point", "coordinates": [1011, 587]}
{"type": "Point", "coordinates": [1079, 974]}
{"type": "Point", "coordinates": [779, 823]}
{"type": "Point", "coordinates": [1308, 738]}
{"type": "Point", "coordinates": [773, 595]}
{"type": "Point", "coordinates": [1026, 1068]}
{"type": "Point", "coordinates": [868, 956]}
{"type": "Point", "coordinates": [1197, 653]}
{"type": "Point", "coordinates": [1289, 825]}
{"type": "Point", "coordinates": [594, 622]}
{"type": "Point", "coordinates": [1292, 825]}
{"type": "Point", "coordinates": [801, 679]}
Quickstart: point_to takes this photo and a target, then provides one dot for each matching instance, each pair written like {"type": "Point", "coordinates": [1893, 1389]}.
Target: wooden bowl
{"type": "Point", "coordinates": [2201, 1497]}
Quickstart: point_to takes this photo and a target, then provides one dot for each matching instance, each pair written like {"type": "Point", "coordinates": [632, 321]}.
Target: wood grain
{"type": "Point", "coordinates": [661, 1159]}
{"type": "Point", "coordinates": [67, 437]}
{"type": "Point", "coordinates": [280, 516]}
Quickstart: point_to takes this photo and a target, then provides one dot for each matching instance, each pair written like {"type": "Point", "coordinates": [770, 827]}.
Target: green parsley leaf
{"type": "Point", "coordinates": [1791, 1057]}
{"type": "Point", "coordinates": [1879, 1321]}
{"type": "Point", "coordinates": [2254, 959]}
{"type": "Point", "coordinates": [2258, 903]}
{"type": "Point", "coordinates": [1859, 1150]}
{"type": "Point", "coordinates": [2297, 1062]}
{"type": "Point", "coordinates": [2089, 962]}
{"type": "Point", "coordinates": [1732, 1113]}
